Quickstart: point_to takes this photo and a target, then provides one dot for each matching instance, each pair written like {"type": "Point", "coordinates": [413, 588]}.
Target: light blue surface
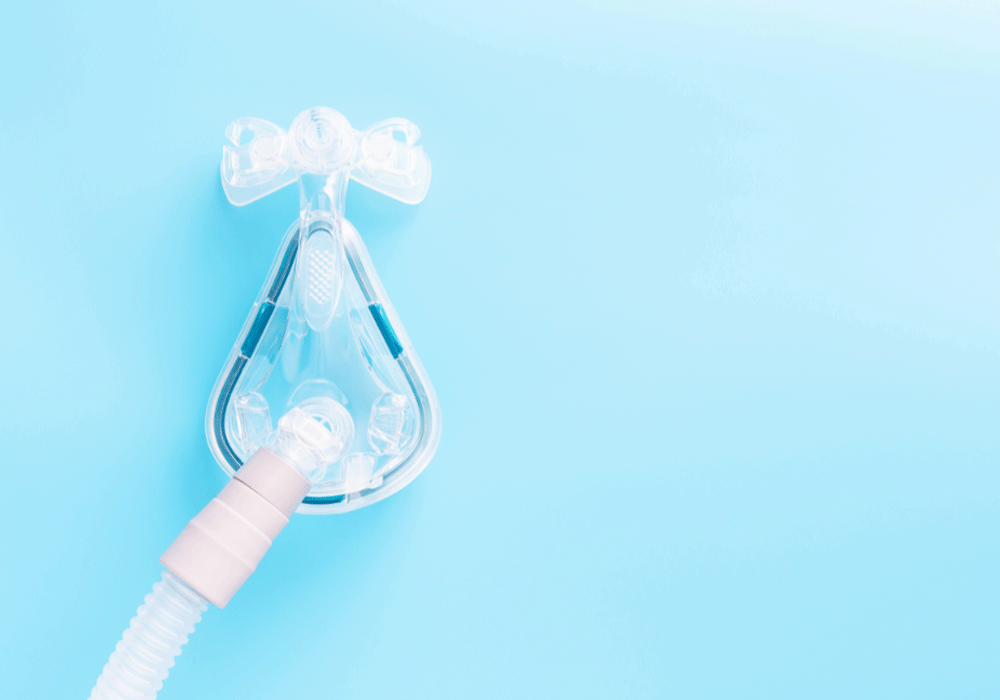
{"type": "Point", "coordinates": [709, 296]}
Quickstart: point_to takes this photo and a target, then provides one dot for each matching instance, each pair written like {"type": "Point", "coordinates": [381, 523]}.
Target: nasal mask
{"type": "Point", "coordinates": [322, 405]}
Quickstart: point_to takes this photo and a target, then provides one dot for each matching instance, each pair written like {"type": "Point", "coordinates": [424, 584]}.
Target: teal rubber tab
{"type": "Point", "coordinates": [385, 328]}
{"type": "Point", "coordinates": [257, 329]}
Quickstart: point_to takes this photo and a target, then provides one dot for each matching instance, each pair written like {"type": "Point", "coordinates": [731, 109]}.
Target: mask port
{"type": "Point", "coordinates": [252, 421]}
{"type": "Point", "coordinates": [391, 424]}
{"type": "Point", "coordinates": [313, 435]}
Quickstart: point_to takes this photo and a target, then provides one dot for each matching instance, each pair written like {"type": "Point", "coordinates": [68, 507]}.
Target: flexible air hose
{"type": "Point", "coordinates": [207, 563]}
{"type": "Point", "coordinates": [146, 652]}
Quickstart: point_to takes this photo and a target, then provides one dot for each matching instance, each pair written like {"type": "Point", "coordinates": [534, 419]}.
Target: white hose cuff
{"type": "Point", "coordinates": [224, 543]}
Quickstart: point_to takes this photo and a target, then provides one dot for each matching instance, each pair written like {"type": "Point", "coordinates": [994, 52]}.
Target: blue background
{"type": "Point", "coordinates": [709, 294]}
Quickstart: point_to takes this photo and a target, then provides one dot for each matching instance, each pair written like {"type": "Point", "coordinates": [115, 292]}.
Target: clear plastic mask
{"type": "Point", "coordinates": [322, 345]}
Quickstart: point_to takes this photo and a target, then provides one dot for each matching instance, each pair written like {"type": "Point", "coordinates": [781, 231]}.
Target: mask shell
{"type": "Point", "coordinates": [322, 328]}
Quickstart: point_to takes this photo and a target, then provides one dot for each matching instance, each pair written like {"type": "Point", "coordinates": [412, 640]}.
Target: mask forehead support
{"type": "Point", "coordinates": [264, 158]}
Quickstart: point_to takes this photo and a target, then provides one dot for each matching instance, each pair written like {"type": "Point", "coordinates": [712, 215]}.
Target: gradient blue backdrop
{"type": "Point", "coordinates": [709, 294]}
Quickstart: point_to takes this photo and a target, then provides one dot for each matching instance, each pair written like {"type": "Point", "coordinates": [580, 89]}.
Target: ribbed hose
{"type": "Point", "coordinates": [145, 654]}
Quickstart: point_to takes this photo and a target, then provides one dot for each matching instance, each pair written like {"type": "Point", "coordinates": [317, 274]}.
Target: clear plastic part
{"type": "Point", "coordinates": [313, 435]}
{"type": "Point", "coordinates": [146, 652]}
{"type": "Point", "coordinates": [264, 158]}
{"type": "Point", "coordinates": [322, 342]}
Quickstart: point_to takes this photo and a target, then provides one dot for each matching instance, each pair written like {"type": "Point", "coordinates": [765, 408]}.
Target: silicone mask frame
{"type": "Point", "coordinates": [323, 279]}
{"type": "Point", "coordinates": [390, 333]}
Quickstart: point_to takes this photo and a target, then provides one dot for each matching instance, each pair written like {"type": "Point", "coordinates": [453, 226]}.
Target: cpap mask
{"type": "Point", "coordinates": [322, 405]}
